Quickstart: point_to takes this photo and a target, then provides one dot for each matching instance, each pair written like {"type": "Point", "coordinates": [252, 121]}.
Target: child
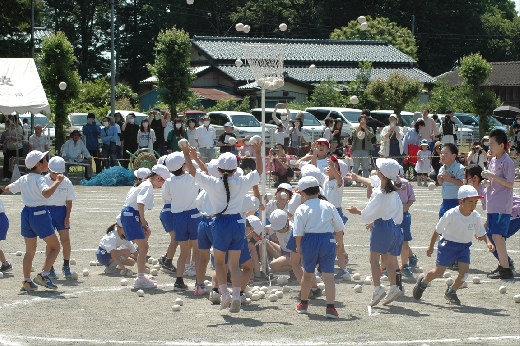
{"type": "Point", "coordinates": [228, 228]}
{"type": "Point", "coordinates": [114, 250]}
{"type": "Point", "coordinates": [450, 177]}
{"type": "Point", "coordinates": [36, 219]}
{"type": "Point", "coordinates": [315, 222]}
{"type": "Point", "coordinates": [282, 227]}
{"type": "Point", "coordinates": [223, 139]}
{"type": "Point", "coordinates": [499, 198]}
{"type": "Point", "coordinates": [59, 206]}
{"type": "Point", "coordinates": [279, 201]}
{"type": "Point", "coordinates": [423, 165]}
{"type": "Point", "coordinates": [456, 229]}
{"type": "Point", "coordinates": [140, 198]}
{"type": "Point", "coordinates": [385, 211]}
{"type": "Point", "coordinates": [4, 227]}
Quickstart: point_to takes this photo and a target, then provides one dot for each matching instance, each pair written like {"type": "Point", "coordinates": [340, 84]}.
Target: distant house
{"type": "Point", "coordinates": [504, 80]}
{"type": "Point", "coordinates": [213, 60]}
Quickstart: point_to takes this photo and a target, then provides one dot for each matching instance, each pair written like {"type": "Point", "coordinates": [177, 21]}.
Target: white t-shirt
{"type": "Point", "coordinates": [112, 241]}
{"type": "Point", "coordinates": [384, 206]}
{"type": "Point", "coordinates": [316, 216]}
{"type": "Point", "coordinates": [167, 199]}
{"type": "Point", "coordinates": [294, 203]}
{"type": "Point", "coordinates": [140, 194]}
{"type": "Point", "coordinates": [251, 203]}
{"type": "Point", "coordinates": [333, 192]}
{"type": "Point", "coordinates": [279, 137]}
{"type": "Point", "coordinates": [284, 237]}
{"type": "Point", "coordinates": [459, 228]}
{"type": "Point", "coordinates": [205, 136]}
{"type": "Point", "coordinates": [238, 187]}
{"type": "Point", "coordinates": [31, 187]}
{"type": "Point", "coordinates": [167, 128]}
{"type": "Point", "coordinates": [184, 187]}
{"type": "Point", "coordinates": [64, 192]}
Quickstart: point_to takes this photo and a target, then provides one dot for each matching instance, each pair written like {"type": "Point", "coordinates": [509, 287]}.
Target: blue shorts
{"type": "Point", "coordinates": [166, 218]}
{"type": "Point", "coordinates": [103, 256]}
{"type": "Point", "coordinates": [58, 213]}
{"type": "Point", "coordinates": [514, 226]}
{"type": "Point", "coordinates": [185, 225]}
{"type": "Point", "coordinates": [386, 237]}
{"type": "Point", "coordinates": [318, 249]}
{"type": "Point", "coordinates": [450, 251]}
{"type": "Point", "coordinates": [36, 221]}
{"type": "Point", "coordinates": [446, 205]}
{"type": "Point", "coordinates": [205, 238]}
{"type": "Point", "coordinates": [291, 242]}
{"type": "Point", "coordinates": [406, 226]}
{"type": "Point", "coordinates": [498, 224]}
{"type": "Point", "coordinates": [343, 216]}
{"type": "Point", "coordinates": [132, 224]}
{"type": "Point", "coordinates": [228, 232]}
{"type": "Point", "coordinates": [245, 253]}
{"type": "Point", "coordinates": [4, 226]}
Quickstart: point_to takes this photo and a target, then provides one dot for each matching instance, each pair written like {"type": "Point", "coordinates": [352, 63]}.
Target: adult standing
{"type": "Point", "coordinates": [169, 125]}
{"type": "Point", "coordinates": [362, 145]}
{"type": "Point", "coordinates": [205, 137]}
{"type": "Point", "coordinates": [129, 131]}
{"type": "Point", "coordinates": [26, 128]}
{"type": "Point", "coordinates": [284, 120]}
{"type": "Point", "coordinates": [73, 149]}
{"type": "Point", "coordinates": [392, 140]}
{"type": "Point", "coordinates": [190, 132]}
{"type": "Point", "coordinates": [146, 136]}
{"type": "Point", "coordinates": [449, 128]}
{"type": "Point", "coordinates": [158, 123]}
{"type": "Point", "coordinates": [14, 144]}
{"type": "Point", "coordinates": [92, 131]}
{"type": "Point", "coordinates": [372, 124]}
{"type": "Point", "coordinates": [109, 137]}
{"type": "Point", "coordinates": [413, 136]}
{"type": "Point", "coordinates": [38, 141]}
{"type": "Point", "coordinates": [176, 134]}
{"type": "Point", "coordinates": [477, 156]}
{"type": "Point", "coordinates": [118, 120]}
{"type": "Point", "coordinates": [296, 135]}
{"type": "Point", "coordinates": [337, 137]}
{"type": "Point", "coordinates": [429, 131]}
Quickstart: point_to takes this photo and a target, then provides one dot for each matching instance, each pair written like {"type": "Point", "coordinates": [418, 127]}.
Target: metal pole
{"type": "Point", "coordinates": [262, 188]}
{"type": "Point", "coordinates": [413, 24]}
{"type": "Point", "coordinates": [112, 65]}
{"type": "Point", "coordinates": [32, 28]}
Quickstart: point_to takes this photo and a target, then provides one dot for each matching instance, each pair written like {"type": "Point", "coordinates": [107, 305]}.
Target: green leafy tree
{"type": "Point", "coordinates": [172, 67]}
{"type": "Point", "coordinates": [444, 97]}
{"type": "Point", "coordinates": [328, 93]}
{"type": "Point", "coordinates": [359, 86]}
{"type": "Point", "coordinates": [229, 104]}
{"type": "Point", "coordinates": [379, 29]}
{"type": "Point", "coordinates": [395, 92]}
{"type": "Point", "coordinates": [56, 64]}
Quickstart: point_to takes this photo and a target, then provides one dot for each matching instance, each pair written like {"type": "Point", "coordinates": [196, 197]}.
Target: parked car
{"type": "Point", "coordinates": [77, 120]}
{"type": "Point", "coordinates": [384, 116]}
{"type": "Point", "coordinates": [349, 116]}
{"type": "Point", "coordinates": [41, 119]}
{"type": "Point", "coordinates": [193, 114]}
{"type": "Point", "coordinates": [312, 128]}
{"type": "Point", "coordinates": [472, 122]}
{"type": "Point", "coordinates": [464, 134]}
{"type": "Point", "coordinates": [245, 124]}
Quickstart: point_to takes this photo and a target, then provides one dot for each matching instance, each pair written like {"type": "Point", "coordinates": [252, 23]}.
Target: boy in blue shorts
{"type": "Point", "coordinates": [456, 229]}
{"type": "Point", "coordinates": [450, 177]}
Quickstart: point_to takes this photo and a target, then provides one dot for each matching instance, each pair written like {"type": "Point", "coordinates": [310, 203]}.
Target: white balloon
{"type": "Point", "coordinates": [282, 27]}
{"type": "Point", "coordinates": [239, 27]}
{"type": "Point", "coordinates": [246, 29]}
{"type": "Point", "coordinates": [190, 2]}
{"type": "Point", "coordinates": [361, 19]}
{"type": "Point", "coordinates": [364, 26]}
{"type": "Point", "coordinates": [62, 85]}
{"type": "Point", "coordinates": [239, 63]}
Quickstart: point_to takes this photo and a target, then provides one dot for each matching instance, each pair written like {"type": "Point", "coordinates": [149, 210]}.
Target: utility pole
{"type": "Point", "coordinates": [413, 25]}
{"type": "Point", "coordinates": [112, 65]}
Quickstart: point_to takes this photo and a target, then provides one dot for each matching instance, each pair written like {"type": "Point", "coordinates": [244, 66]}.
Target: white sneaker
{"type": "Point", "coordinates": [144, 282]}
{"type": "Point", "coordinates": [190, 272]}
{"type": "Point", "coordinates": [225, 300]}
{"type": "Point", "coordinates": [378, 294]}
{"type": "Point", "coordinates": [214, 297]}
{"type": "Point", "coordinates": [235, 305]}
{"type": "Point", "coordinates": [391, 295]}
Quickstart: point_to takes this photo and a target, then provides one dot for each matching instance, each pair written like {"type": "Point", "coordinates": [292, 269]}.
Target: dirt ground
{"type": "Point", "coordinates": [96, 309]}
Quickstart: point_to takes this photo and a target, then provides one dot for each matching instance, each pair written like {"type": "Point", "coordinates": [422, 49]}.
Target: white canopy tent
{"type": "Point", "coordinates": [21, 89]}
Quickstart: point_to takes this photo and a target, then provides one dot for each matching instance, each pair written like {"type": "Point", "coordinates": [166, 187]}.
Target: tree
{"type": "Point", "coordinates": [327, 94]}
{"type": "Point", "coordinates": [358, 87]}
{"type": "Point", "coordinates": [395, 92]}
{"type": "Point", "coordinates": [229, 104]}
{"type": "Point", "coordinates": [55, 66]}
{"type": "Point", "coordinates": [379, 29]}
{"type": "Point", "coordinates": [172, 67]}
{"type": "Point", "coordinates": [444, 97]}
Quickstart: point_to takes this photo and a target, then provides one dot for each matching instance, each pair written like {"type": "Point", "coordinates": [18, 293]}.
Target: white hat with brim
{"type": "Point", "coordinates": [307, 182]}
{"type": "Point", "coordinates": [284, 186]}
{"type": "Point", "coordinates": [161, 160]}
{"type": "Point", "coordinates": [227, 161]}
{"type": "Point", "coordinates": [388, 167]}
{"type": "Point", "coordinates": [162, 171]}
{"type": "Point", "coordinates": [174, 161]}
{"type": "Point", "coordinates": [255, 222]}
{"type": "Point", "coordinates": [32, 159]}
{"type": "Point", "coordinates": [118, 220]}
{"type": "Point", "coordinates": [278, 219]}
{"type": "Point", "coordinates": [309, 170]}
{"type": "Point", "coordinates": [466, 191]}
{"type": "Point", "coordinates": [213, 168]}
{"type": "Point", "coordinates": [57, 164]}
{"type": "Point", "coordinates": [142, 173]}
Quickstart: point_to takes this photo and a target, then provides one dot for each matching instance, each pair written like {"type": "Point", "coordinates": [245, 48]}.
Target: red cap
{"type": "Point", "coordinates": [323, 140]}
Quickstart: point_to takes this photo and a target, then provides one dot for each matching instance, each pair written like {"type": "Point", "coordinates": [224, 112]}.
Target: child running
{"type": "Point", "coordinates": [4, 227]}
{"type": "Point", "coordinates": [456, 229]}
{"type": "Point", "coordinates": [36, 219]}
{"type": "Point", "coordinates": [138, 200]}
{"type": "Point", "coordinates": [385, 212]}
{"type": "Point", "coordinates": [315, 222]}
{"type": "Point", "coordinates": [59, 206]}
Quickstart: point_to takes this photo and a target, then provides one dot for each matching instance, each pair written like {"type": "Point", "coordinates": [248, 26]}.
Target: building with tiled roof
{"type": "Point", "coordinates": [213, 60]}
{"type": "Point", "coordinates": [504, 80]}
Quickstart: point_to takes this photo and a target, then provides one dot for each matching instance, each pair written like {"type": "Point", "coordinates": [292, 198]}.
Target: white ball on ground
{"type": "Point", "coordinates": [449, 281]}
{"type": "Point", "coordinates": [261, 294]}
{"type": "Point", "coordinates": [364, 26]}
{"type": "Point", "coordinates": [93, 263]}
{"type": "Point", "coordinates": [318, 279]}
{"type": "Point", "coordinates": [124, 282]}
{"type": "Point", "coordinates": [361, 19]}
{"type": "Point", "coordinates": [354, 99]}
{"type": "Point", "coordinates": [183, 143]}
{"type": "Point", "coordinates": [263, 289]}
{"type": "Point", "coordinates": [516, 298]}
{"type": "Point", "coordinates": [368, 280]}
{"type": "Point", "coordinates": [312, 68]}
{"type": "Point", "coordinates": [432, 186]}
{"type": "Point", "coordinates": [346, 277]}
{"type": "Point", "coordinates": [175, 307]}
{"type": "Point", "coordinates": [282, 27]}
{"type": "Point", "coordinates": [358, 288]}
{"type": "Point", "coordinates": [72, 262]}
{"type": "Point", "coordinates": [157, 266]}
{"type": "Point", "coordinates": [502, 289]}
{"type": "Point", "coordinates": [256, 139]}
{"type": "Point", "coordinates": [476, 280]}
{"type": "Point", "coordinates": [256, 288]}
{"type": "Point", "coordinates": [154, 261]}
{"type": "Point", "coordinates": [154, 272]}
{"type": "Point", "coordinates": [85, 272]}
{"type": "Point", "coordinates": [75, 276]}
{"type": "Point", "coordinates": [273, 298]}
{"type": "Point", "coordinates": [19, 253]}
{"type": "Point", "coordinates": [279, 294]}
{"type": "Point", "coordinates": [32, 269]}
{"type": "Point", "coordinates": [179, 301]}
{"type": "Point", "coordinates": [208, 283]}
{"type": "Point", "coordinates": [273, 291]}
{"type": "Point", "coordinates": [321, 286]}
{"type": "Point", "coordinates": [286, 289]}
{"type": "Point", "coordinates": [248, 294]}
{"type": "Point", "coordinates": [356, 276]}
{"type": "Point", "coordinates": [255, 297]}
{"type": "Point", "coordinates": [239, 27]}
{"type": "Point", "coordinates": [447, 275]}
{"type": "Point", "coordinates": [232, 140]}
{"type": "Point", "coordinates": [140, 293]}
{"type": "Point", "coordinates": [283, 195]}
{"type": "Point", "coordinates": [464, 284]}
{"type": "Point", "coordinates": [150, 260]}
{"type": "Point", "coordinates": [147, 270]}
{"type": "Point", "coordinates": [280, 280]}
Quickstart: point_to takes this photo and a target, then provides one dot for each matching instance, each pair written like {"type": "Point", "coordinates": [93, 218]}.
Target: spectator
{"type": "Point", "coordinates": [248, 155]}
{"type": "Point", "coordinates": [429, 131]}
{"type": "Point", "coordinates": [338, 135]}
{"type": "Point", "coordinates": [129, 130]}
{"type": "Point", "coordinates": [282, 172]}
{"type": "Point", "coordinates": [176, 134]}
{"type": "Point", "coordinates": [190, 132]}
{"type": "Point", "coordinates": [157, 124]}
{"type": "Point", "coordinates": [118, 120]}
{"type": "Point", "coordinates": [413, 136]}
{"type": "Point", "coordinates": [13, 143]}
{"type": "Point", "coordinates": [146, 136]}
{"type": "Point", "coordinates": [38, 141]}
{"type": "Point", "coordinates": [281, 135]}
{"type": "Point", "coordinates": [205, 137]}
{"type": "Point", "coordinates": [284, 120]}
{"type": "Point", "coordinates": [362, 145]}
{"type": "Point", "coordinates": [91, 131]}
{"type": "Point", "coordinates": [372, 123]}
{"type": "Point", "coordinates": [435, 118]}
{"type": "Point", "coordinates": [223, 139]}
{"type": "Point", "coordinates": [449, 129]}
{"type": "Point", "coordinates": [392, 140]}
{"type": "Point", "coordinates": [73, 150]}
{"type": "Point", "coordinates": [296, 135]}
{"type": "Point", "coordinates": [329, 128]}
{"type": "Point", "coordinates": [436, 161]}
{"type": "Point", "coordinates": [26, 128]}
{"type": "Point", "coordinates": [169, 125]}
{"type": "Point", "coordinates": [109, 137]}
{"type": "Point", "coordinates": [477, 156]}
{"type": "Point", "coordinates": [516, 133]}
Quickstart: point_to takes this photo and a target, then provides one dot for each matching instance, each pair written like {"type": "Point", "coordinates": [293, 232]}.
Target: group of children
{"type": "Point", "coordinates": [216, 212]}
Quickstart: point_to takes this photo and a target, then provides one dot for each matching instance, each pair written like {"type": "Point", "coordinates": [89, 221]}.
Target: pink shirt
{"type": "Point", "coordinates": [499, 199]}
{"type": "Point", "coordinates": [406, 192]}
{"type": "Point", "coordinates": [430, 130]}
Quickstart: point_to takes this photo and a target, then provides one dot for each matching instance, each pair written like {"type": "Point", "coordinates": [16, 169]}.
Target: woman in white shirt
{"type": "Point", "coordinates": [146, 136]}
{"type": "Point", "coordinates": [190, 132]}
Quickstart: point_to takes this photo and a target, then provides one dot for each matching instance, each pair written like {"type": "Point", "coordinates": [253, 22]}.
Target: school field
{"type": "Point", "coordinates": [97, 310]}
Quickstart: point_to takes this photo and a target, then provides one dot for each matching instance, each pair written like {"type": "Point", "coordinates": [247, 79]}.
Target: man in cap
{"type": "Point", "coordinates": [223, 139]}
{"type": "Point", "coordinates": [75, 150]}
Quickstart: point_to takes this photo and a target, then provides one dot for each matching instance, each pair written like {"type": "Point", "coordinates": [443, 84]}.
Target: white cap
{"type": "Point", "coordinates": [142, 173]}
{"type": "Point", "coordinates": [466, 191]}
{"type": "Point", "coordinates": [343, 167]}
{"type": "Point", "coordinates": [256, 224]}
{"type": "Point", "coordinates": [388, 167]}
{"type": "Point", "coordinates": [161, 160]}
{"type": "Point", "coordinates": [310, 170]}
{"type": "Point", "coordinates": [174, 161]}
{"type": "Point", "coordinates": [278, 219]}
{"type": "Point", "coordinates": [284, 186]}
{"type": "Point", "coordinates": [307, 182]}
{"type": "Point", "coordinates": [227, 161]}
{"type": "Point", "coordinates": [118, 220]}
{"type": "Point", "coordinates": [32, 159]}
{"type": "Point", "coordinates": [57, 164]}
{"type": "Point", "coordinates": [162, 171]}
{"type": "Point", "coordinates": [393, 116]}
{"type": "Point", "coordinates": [239, 172]}
{"type": "Point", "coordinates": [213, 168]}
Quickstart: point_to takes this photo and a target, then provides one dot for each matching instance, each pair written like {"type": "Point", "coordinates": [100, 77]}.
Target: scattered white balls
{"type": "Point", "coordinates": [150, 260]}
{"type": "Point", "coordinates": [368, 280]}
{"type": "Point", "coordinates": [239, 27]}
{"type": "Point", "coordinates": [72, 262]}
{"type": "Point", "coordinates": [239, 63]}
{"type": "Point", "coordinates": [231, 140]}
{"type": "Point", "coordinates": [279, 294]}
{"type": "Point", "coordinates": [154, 272]}
{"type": "Point", "coordinates": [447, 275]}
{"type": "Point", "coordinates": [261, 294]}
{"type": "Point", "coordinates": [502, 289]}
{"type": "Point", "coordinates": [62, 85]}
{"type": "Point", "coordinates": [19, 253]}
{"type": "Point", "coordinates": [312, 68]}
{"type": "Point", "coordinates": [364, 26]}
{"type": "Point", "coordinates": [256, 139]}
{"type": "Point", "coordinates": [273, 298]}
{"type": "Point", "coordinates": [176, 307]}
{"type": "Point", "coordinates": [93, 263]}
{"type": "Point", "coordinates": [356, 276]}
{"type": "Point", "coordinates": [282, 27]}
{"type": "Point", "coordinates": [354, 99]}
{"type": "Point", "coordinates": [124, 282]}
{"type": "Point", "coordinates": [358, 288]}
{"type": "Point", "coordinates": [263, 289]}
{"type": "Point", "coordinates": [346, 277]}
{"type": "Point", "coordinates": [476, 280]}
{"type": "Point", "coordinates": [179, 301]}
{"type": "Point", "coordinates": [449, 281]}
{"type": "Point", "coordinates": [516, 298]}
{"type": "Point", "coordinates": [432, 186]}
{"type": "Point", "coordinates": [183, 143]}
{"type": "Point", "coordinates": [75, 276]}
{"type": "Point", "coordinates": [361, 19]}
{"type": "Point", "coordinates": [248, 294]}
{"type": "Point", "coordinates": [286, 289]}
{"type": "Point", "coordinates": [255, 297]}
{"type": "Point", "coordinates": [85, 272]}
{"type": "Point", "coordinates": [140, 293]}
{"type": "Point", "coordinates": [1, 275]}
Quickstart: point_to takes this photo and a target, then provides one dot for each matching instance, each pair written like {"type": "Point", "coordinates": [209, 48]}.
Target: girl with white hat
{"type": "Point", "coordinates": [384, 212]}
